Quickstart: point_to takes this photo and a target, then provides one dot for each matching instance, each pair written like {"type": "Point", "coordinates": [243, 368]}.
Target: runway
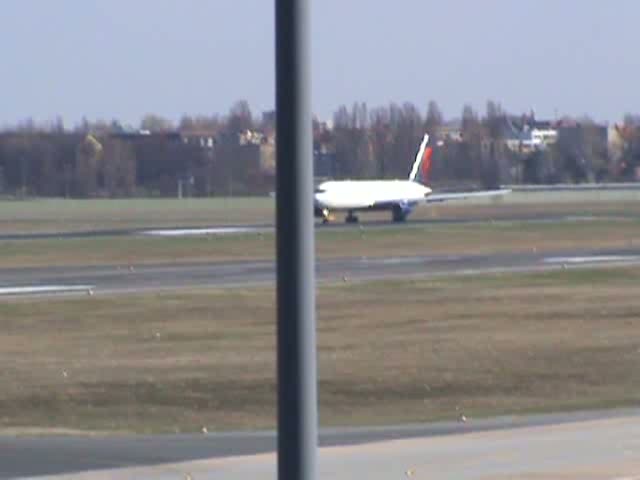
{"type": "Point", "coordinates": [113, 279]}
{"type": "Point", "coordinates": [60, 455]}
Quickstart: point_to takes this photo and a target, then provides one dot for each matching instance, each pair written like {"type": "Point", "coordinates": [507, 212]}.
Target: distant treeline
{"type": "Point", "coordinates": [235, 154]}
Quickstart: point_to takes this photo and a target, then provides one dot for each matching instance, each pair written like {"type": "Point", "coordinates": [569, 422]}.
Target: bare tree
{"type": "Point", "coordinates": [341, 117]}
{"type": "Point", "coordinates": [199, 123]}
{"type": "Point", "coordinates": [88, 162]}
{"type": "Point", "coordinates": [155, 123]}
{"type": "Point", "coordinates": [468, 164]}
{"type": "Point", "coordinates": [240, 117]}
{"type": "Point", "coordinates": [119, 167]}
{"type": "Point", "coordinates": [628, 162]}
{"type": "Point", "coordinates": [381, 139]}
{"type": "Point", "coordinates": [494, 121]}
{"type": "Point", "coordinates": [434, 120]}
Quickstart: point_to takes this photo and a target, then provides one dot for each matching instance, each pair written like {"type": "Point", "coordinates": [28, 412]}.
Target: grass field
{"type": "Point", "coordinates": [475, 238]}
{"type": "Point", "coordinates": [49, 215]}
{"type": "Point", "coordinates": [389, 352]}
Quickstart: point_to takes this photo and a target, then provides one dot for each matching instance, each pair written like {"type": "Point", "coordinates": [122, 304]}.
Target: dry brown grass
{"type": "Point", "coordinates": [389, 352]}
{"type": "Point", "coordinates": [499, 210]}
{"type": "Point", "coordinates": [57, 215]}
{"type": "Point", "coordinates": [477, 238]}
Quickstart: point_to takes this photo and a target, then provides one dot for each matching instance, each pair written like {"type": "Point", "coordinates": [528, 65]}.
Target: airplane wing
{"type": "Point", "coordinates": [445, 197]}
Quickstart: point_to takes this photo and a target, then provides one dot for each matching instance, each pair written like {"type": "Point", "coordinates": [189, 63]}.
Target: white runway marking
{"type": "Point", "coordinates": [408, 260]}
{"type": "Point", "coordinates": [44, 289]}
{"type": "Point", "coordinates": [593, 259]}
{"type": "Point", "coordinates": [201, 231]}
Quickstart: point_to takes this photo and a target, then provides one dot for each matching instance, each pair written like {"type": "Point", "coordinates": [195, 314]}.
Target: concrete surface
{"type": "Point", "coordinates": [607, 449]}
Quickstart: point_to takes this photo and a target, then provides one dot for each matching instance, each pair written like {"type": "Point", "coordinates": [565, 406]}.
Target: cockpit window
{"type": "Point", "coordinates": [319, 190]}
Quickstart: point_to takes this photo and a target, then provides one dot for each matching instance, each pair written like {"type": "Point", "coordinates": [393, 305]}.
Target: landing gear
{"type": "Point", "coordinates": [326, 216]}
{"type": "Point", "coordinates": [351, 218]}
{"type": "Point", "coordinates": [398, 214]}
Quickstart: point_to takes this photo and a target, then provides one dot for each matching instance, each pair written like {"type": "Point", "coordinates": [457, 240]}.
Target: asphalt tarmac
{"type": "Point", "coordinates": [113, 279]}
{"type": "Point", "coordinates": [32, 456]}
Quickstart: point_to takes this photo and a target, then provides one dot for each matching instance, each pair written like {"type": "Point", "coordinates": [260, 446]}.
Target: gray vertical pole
{"type": "Point", "coordinates": [297, 397]}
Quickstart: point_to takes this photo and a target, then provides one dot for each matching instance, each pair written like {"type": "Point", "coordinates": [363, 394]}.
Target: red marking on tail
{"type": "Point", "coordinates": [426, 164]}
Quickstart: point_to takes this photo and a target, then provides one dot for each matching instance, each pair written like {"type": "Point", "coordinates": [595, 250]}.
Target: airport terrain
{"type": "Point", "coordinates": [59, 216]}
{"type": "Point", "coordinates": [452, 317]}
{"type": "Point", "coordinates": [369, 240]}
{"type": "Point", "coordinates": [390, 352]}
{"type": "Point", "coordinates": [569, 446]}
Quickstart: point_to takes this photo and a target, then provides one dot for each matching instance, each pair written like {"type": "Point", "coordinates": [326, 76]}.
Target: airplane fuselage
{"type": "Point", "coordinates": [355, 195]}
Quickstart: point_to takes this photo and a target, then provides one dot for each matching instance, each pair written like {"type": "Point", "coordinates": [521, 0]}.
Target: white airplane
{"type": "Point", "coordinates": [398, 196]}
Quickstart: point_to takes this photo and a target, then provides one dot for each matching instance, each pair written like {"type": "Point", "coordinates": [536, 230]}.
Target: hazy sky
{"type": "Point", "coordinates": [124, 58]}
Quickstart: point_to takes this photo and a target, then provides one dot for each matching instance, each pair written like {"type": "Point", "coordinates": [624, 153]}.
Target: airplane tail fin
{"type": "Point", "coordinates": [422, 163]}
